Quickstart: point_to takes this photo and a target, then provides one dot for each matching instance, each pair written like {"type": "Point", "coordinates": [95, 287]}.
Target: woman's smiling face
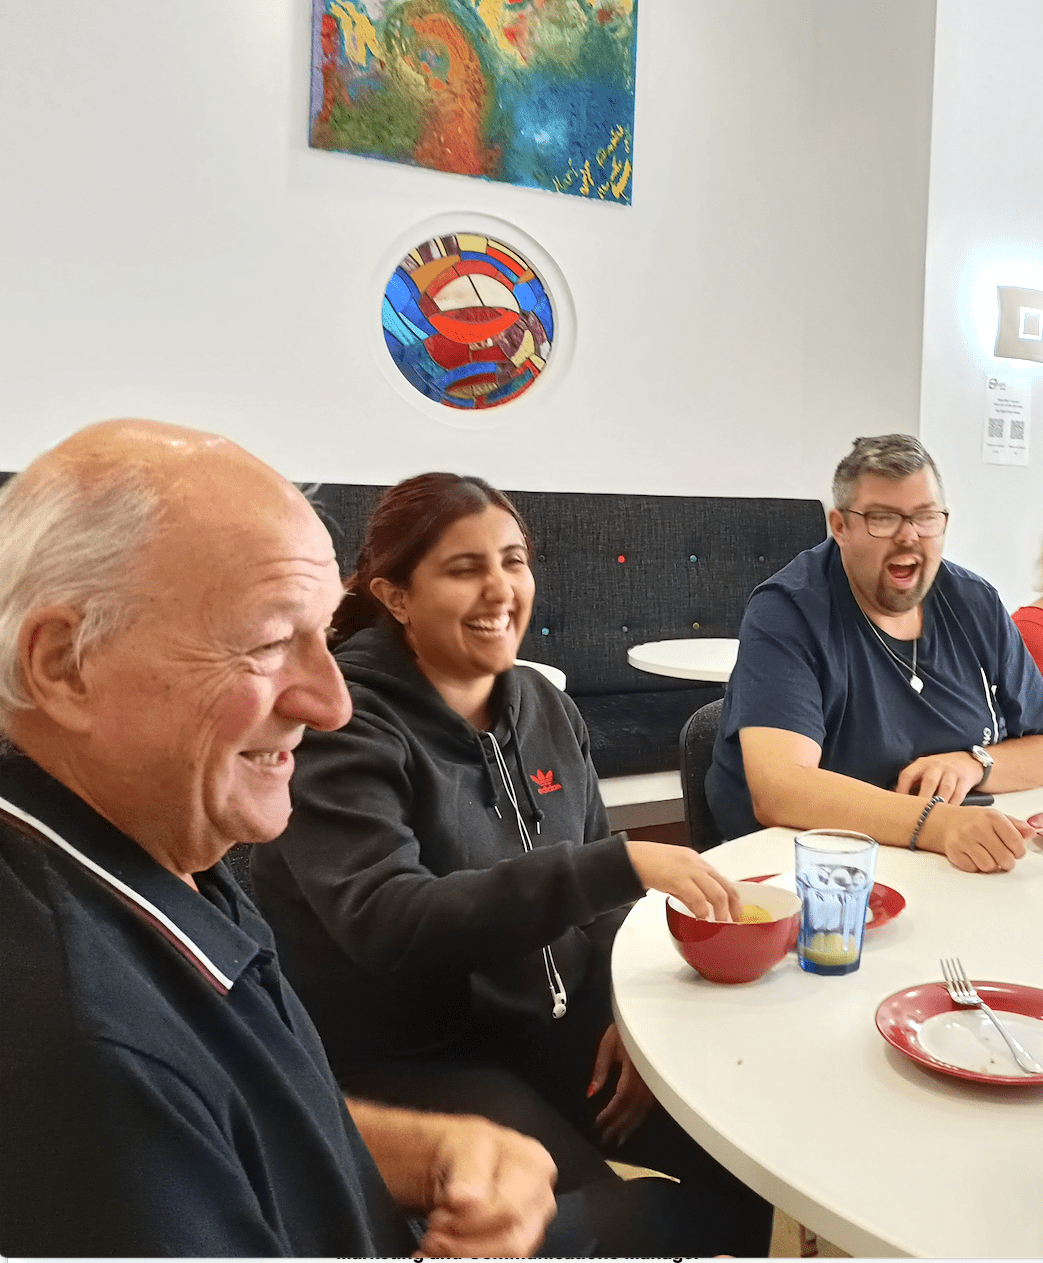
{"type": "Point", "coordinates": [468, 601]}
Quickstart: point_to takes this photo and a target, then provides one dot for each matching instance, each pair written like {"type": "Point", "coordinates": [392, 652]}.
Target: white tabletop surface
{"type": "Point", "coordinates": [762, 1075]}
{"type": "Point", "coordinates": [700, 658]}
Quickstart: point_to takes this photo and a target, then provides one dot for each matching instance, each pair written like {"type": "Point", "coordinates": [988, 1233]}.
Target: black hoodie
{"type": "Point", "coordinates": [407, 910]}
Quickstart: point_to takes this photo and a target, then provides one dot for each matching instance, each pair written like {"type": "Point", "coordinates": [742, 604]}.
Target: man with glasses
{"type": "Point", "coordinates": [877, 685]}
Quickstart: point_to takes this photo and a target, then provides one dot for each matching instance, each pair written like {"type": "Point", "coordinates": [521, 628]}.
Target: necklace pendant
{"type": "Point", "coordinates": [916, 684]}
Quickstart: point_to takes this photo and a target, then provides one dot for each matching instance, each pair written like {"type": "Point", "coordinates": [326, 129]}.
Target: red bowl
{"type": "Point", "coordinates": [725, 951]}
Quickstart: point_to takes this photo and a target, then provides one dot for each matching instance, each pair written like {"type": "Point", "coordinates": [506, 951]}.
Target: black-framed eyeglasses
{"type": "Point", "coordinates": [884, 523]}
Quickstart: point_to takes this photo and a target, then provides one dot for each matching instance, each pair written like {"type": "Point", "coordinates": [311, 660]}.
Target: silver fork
{"type": "Point", "coordinates": [962, 992]}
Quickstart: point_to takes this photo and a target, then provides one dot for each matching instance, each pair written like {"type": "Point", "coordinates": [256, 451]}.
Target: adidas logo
{"type": "Point", "coordinates": [546, 781]}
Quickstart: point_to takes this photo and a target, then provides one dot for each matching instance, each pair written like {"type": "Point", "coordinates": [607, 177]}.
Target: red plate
{"type": "Point", "coordinates": [884, 903]}
{"type": "Point", "coordinates": [899, 1018]}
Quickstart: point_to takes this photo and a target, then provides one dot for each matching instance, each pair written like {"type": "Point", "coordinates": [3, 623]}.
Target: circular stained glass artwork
{"type": "Point", "coordinates": [468, 321]}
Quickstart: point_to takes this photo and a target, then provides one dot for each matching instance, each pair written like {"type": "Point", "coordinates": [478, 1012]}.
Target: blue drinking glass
{"type": "Point", "coordinates": [834, 872]}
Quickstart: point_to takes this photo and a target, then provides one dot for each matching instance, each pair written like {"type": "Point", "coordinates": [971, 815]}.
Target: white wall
{"type": "Point", "coordinates": [170, 247]}
{"type": "Point", "coordinates": [985, 227]}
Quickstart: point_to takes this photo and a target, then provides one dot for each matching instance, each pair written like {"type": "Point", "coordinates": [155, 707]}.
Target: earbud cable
{"type": "Point", "coordinates": [556, 986]}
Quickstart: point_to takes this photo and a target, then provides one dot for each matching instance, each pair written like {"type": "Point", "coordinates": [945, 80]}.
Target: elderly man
{"type": "Point", "coordinates": [164, 600]}
{"type": "Point", "coordinates": [877, 685]}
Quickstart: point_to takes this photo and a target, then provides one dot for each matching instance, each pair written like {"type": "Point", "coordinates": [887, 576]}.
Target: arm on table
{"type": "Point", "coordinates": [1017, 764]}
{"type": "Point", "coordinates": [487, 1192]}
{"type": "Point", "coordinates": [788, 787]}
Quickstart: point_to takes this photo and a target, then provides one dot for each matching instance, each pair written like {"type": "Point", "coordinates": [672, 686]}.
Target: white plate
{"type": "Point", "coordinates": [967, 1039]}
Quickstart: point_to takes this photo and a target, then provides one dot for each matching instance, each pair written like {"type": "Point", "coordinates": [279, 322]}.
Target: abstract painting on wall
{"type": "Point", "coordinates": [531, 92]}
{"type": "Point", "coordinates": [467, 321]}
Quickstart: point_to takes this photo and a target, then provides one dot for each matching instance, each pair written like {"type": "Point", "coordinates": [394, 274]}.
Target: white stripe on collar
{"type": "Point", "coordinates": [124, 890]}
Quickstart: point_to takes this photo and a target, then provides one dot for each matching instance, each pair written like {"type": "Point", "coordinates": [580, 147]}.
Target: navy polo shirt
{"type": "Point", "coordinates": [160, 1098]}
{"type": "Point", "coordinates": [809, 662]}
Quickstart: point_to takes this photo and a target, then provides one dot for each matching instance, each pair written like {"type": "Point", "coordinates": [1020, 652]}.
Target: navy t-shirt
{"type": "Point", "coordinates": [809, 662]}
{"type": "Point", "coordinates": [160, 1096]}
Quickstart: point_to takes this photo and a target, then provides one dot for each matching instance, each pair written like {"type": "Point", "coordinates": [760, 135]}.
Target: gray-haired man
{"type": "Point", "coordinates": [878, 684]}
{"type": "Point", "coordinates": [164, 600]}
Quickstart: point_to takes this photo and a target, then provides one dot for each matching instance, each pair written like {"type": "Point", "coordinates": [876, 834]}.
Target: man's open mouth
{"type": "Point", "coordinates": [903, 572]}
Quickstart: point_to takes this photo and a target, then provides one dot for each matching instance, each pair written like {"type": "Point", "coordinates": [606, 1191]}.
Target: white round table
{"type": "Point", "coordinates": [697, 658]}
{"type": "Point", "coordinates": [788, 1083]}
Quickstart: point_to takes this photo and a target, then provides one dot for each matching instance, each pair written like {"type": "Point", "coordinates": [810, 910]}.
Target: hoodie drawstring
{"type": "Point", "coordinates": [559, 998]}
{"type": "Point", "coordinates": [492, 797]}
{"type": "Point", "coordinates": [534, 809]}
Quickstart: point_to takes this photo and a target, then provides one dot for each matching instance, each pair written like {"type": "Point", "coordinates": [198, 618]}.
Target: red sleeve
{"type": "Point", "coordinates": [1029, 621]}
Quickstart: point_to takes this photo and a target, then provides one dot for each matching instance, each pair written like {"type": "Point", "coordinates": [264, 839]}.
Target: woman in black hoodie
{"type": "Point", "coordinates": [447, 891]}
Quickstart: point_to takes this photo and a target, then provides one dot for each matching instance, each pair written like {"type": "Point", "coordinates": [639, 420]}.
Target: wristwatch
{"type": "Point", "coordinates": [986, 760]}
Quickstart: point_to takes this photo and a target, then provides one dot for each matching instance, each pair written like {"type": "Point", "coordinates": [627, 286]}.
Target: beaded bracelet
{"type": "Point", "coordinates": [923, 816]}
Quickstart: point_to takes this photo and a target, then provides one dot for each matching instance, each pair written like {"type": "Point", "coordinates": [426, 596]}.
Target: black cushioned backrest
{"type": "Point", "coordinates": [345, 508]}
{"type": "Point", "coordinates": [697, 738]}
{"type": "Point", "coordinates": [690, 564]}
